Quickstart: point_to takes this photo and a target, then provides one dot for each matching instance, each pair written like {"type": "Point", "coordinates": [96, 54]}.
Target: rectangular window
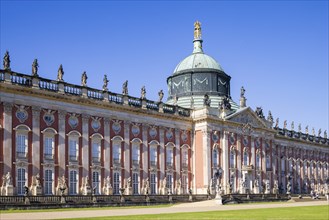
{"type": "Point", "coordinates": [96, 182]}
{"type": "Point", "coordinates": [116, 183]}
{"type": "Point", "coordinates": [169, 183]}
{"type": "Point", "coordinates": [49, 147]}
{"type": "Point", "coordinates": [73, 145]}
{"type": "Point", "coordinates": [135, 183]}
{"type": "Point", "coordinates": [73, 178]}
{"type": "Point", "coordinates": [48, 182]}
{"type": "Point", "coordinates": [184, 184]}
{"type": "Point", "coordinates": [96, 151]}
{"type": "Point", "coordinates": [153, 183]}
{"type": "Point", "coordinates": [21, 143]}
{"type": "Point", "coordinates": [21, 180]}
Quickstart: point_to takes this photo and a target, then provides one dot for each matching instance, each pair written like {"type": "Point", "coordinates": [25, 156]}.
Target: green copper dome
{"type": "Point", "coordinates": [197, 61]}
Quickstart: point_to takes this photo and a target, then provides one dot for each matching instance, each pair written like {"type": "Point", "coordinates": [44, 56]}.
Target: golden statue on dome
{"type": "Point", "coordinates": [197, 30]}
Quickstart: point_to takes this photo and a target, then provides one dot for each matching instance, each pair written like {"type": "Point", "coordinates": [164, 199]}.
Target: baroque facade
{"type": "Point", "coordinates": [56, 137]}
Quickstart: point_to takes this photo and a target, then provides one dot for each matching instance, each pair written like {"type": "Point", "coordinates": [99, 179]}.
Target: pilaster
{"type": "Point", "coordinates": [177, 157]}
{"type": "Point", "coordinates": [161, 153]}
{"type": "Point", "coordinates": [144, 153]}
{"type": "Point", "coordinates": [7, 143]}
{"type": "Point", "coordinates": [107, 152]}
{"type": "Point", "coordinates": [36, 139]}
{"type": "Point", "coordinates": [85, 145]}
{"type": "Point", "coordinates": [225, 159]}
{"type": "Point", "coordinates": [126, 150]}
{"type": "Point", "coordinates": [61, 141]}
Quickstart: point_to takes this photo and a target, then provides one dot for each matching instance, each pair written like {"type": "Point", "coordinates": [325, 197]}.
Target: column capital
{"type": "Point", "coordinates": [36, 110]}
{"type": "Point", "coordinates": [62, 114]}
{"type": "Point", "coordinates": [8, 107]}
{"type": "Point", "coordinates": [85, 118]}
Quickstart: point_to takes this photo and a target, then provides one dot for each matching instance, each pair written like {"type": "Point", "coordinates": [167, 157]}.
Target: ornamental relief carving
{"type": "Point", "coordinates": [95, 123]}
{"type": "Point", "coordinates": [21, 113]}
{"type": "Point", "coordinates": [184, 136]}
{"type": "Point", "coordinates": [247, 118]}
{"type": "Point", "coordinates": [73, 120]}
{"type": "Point", "coordinates": [135, 130]}
{"type": "Point", "coordinates": [48, 117]}
{"type": "Point", "coordinates": [116, 126]}
{"type": "Point", "coordinates": [153, 131]}
{"type": "Point", "coordinates": [169, 134]}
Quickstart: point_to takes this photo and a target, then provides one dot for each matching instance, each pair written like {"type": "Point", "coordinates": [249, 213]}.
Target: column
{"type": "Point", "coordinates": [126, 150]}
{"type": "Point", "coordinates": [61, 142]}
{"type": "Point", "coordinates": [85, 145]}
{"type": "Point", "coordinates": [161, 155]}
{"type": "Point", "coordinates": [253, 156]}
{"type": "Point", "coordinates": [225, 159]}
{"type": "Point", "coordinates": [239, 159]}
{"type": "Point", "coordinates": [36, 140]}
{"type": "Point", "coordinates": [145, 151]}
{"type": "Point", "coordinates": [7, 136]}
{"type": "Point", "coordinates": [107, 152]}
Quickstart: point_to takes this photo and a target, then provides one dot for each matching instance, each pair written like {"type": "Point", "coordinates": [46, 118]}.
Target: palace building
{"type": "Point", "coordinates": [56, 137]}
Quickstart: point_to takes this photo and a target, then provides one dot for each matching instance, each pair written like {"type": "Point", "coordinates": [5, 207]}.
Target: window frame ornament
{"type": "Point", "coordinates": [21, 113]}
{"type": "Point", "coordinates": [48, 117]}
{"type": "Point", "coordinates": [73, 120]}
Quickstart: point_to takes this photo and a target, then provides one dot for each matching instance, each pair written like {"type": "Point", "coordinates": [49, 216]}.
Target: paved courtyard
{"type": "Point", "coordinates": [187, 207]}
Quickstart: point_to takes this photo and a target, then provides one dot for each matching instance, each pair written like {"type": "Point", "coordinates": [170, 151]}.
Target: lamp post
{"type": "Point", "coordinates": [218, 177]}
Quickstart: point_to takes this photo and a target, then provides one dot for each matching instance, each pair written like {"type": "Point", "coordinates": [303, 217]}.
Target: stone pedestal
{"type": "Point", "coordinates": [128, 191]}
{"type": "Point", "coordinates": [26, 201]}
{"type": "Point", "coordinates": [256, 190]}
{"type": "Point", "coordinates": [36, 190]}
{"type": "Point", "coordinates": [35, 82]}
{"type": "Point", "coordinates": [63, 201]}
{"type": "Point", "coordinates": [86, 191]}
{"type": "Point", "coordinates": [164, 191]}
{"type": "Point", "coordinates": [178, 191]}
{"type": "Point", "coordinates": [9, 190]}
{"type": "Point", "coordinates": [108, 191]}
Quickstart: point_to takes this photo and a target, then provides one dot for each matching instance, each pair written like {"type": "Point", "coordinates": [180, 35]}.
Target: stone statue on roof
{"type": "Point", "coordinates": [143, 93]}
{"type": "Point", "coordinates": [206, 100]}
{"type": "Point", "coordinates": [270, 117]}
{"type": "Point", "coordinates": [160, 93]}
{"type": "Point", "coordinates": [6, 61]}
{"type": "Point", "coordinates": [276, 123]}
{"type": "Point", "coordinates": [197, 30]}
{"type": "Point", "coordinates": [319, 132]}
{"type": "Point", "coordinates": [285, 124]}
{"type": "Point", "coordinates": [125, 88]}
{"type": "Point", "coordinates": [292, 125]}
{"type": "Point", "coordinates": [325, 134]}
{"type": "Point", "coordinates": [306, 129]}
{"type": "Point", "coordinates": [84, 78]}
{"type": "Point", "coordinates": [242, 92]}
{"type": "Point", "coordinates": [105, 83]}
{"type": "Point", "coordinates": [226, 103]}
{"type": "Point", "coordinates": [313, 132]}
{"type": "Point", "coordinates": [299, 127]}
{"type": "Point", "coordinates": [60, 73]}
{"type": "Point", "coordinates": [35, 67]}
{"type": "Point", "coordinates": [259, 112]}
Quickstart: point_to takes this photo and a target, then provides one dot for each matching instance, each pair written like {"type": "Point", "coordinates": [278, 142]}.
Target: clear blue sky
{"type": "Point", "coordinates": [277, 50]}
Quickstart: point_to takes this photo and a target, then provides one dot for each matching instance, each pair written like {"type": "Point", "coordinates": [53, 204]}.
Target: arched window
{"type": "Point", "coordinates": [49, 143]}
{"type": "Point", "coordinates": [169, 155]}
{"type": "Point", "coordinates": [136, 142]}
{"type": "Point", "coordinates": [22, 141]}
{"type": "Point", "coordinates": [96, 182]}
{"type": "Point", "coordinates": [116, 149]}
{"type": "Point", "coordinates": [48, 182]}
{"type": "Point", "coordinates": [184, 157]}
{"type": "Point", "coordinates": [21, 181]}
{"type": "Point", "coordinates": [245, 158]}
{"type": "Point", "coordinates": [74, 145]}
{"type": "Point", "coordinates": [298, 166]}
{"type": "Point", "coordinates": [73, 182]}
{"type": "Point", "coordinates": [232, 159]}
{"type": "Point", "coordinates": [153, 153]}
{"type": "Point", "coordinates": [290, 166]}
{"type": "Point", "coordinates": [96, 142]}
{"type": "Point", "coordinates": [311, 168]}
{"type": "Point", "coordinates": [283, 164]}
